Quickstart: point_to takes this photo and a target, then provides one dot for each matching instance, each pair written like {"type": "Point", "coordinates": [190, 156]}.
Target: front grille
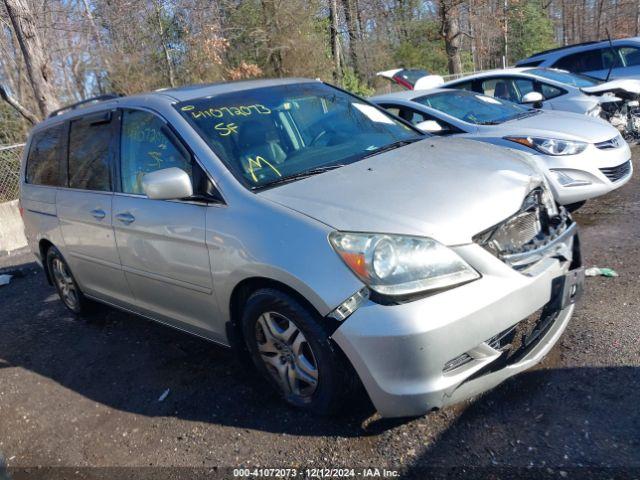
{"type": "Point", "coordinates": [524, 238]}
{"type": "Point", "coordinates": [514, 342]}
{"type": "Point", "coordinates": [616, 173]}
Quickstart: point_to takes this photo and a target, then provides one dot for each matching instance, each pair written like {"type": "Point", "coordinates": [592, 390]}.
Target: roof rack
{"type": "Point", "coordinates": [565, 47]}
{"type": "Point", "coordinates": [73, 106]}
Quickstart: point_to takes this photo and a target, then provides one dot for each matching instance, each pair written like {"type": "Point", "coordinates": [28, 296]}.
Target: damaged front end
{"type": "Point", "coordinates": [620, 106]}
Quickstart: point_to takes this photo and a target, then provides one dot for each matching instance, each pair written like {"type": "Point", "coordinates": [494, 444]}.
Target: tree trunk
{"type": "Point", "coordinates": [35, 58]}
{"type": "Point", "coordinates": [104, 57]}
{"type": "Point", "coordinates": [450, 30]}
{"type": "Point", "coordinates": [352, 30]}
{"type": "Point", "coordinates": [335, 39]}
{"type": "Point", "coordinates": [165, 49]}
{"type": "Point", "coordinates": [270, 11]}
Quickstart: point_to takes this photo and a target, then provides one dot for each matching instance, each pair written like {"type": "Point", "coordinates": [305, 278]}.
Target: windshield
{"type": "Point", "coordinates": [574, 79]}
{"type": "Point", "coordinates": [473, 107]}
{"type": "Point", "coordinates": [267, 135]}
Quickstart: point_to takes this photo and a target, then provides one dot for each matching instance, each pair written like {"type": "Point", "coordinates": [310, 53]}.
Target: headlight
{"type": "Point", "coordinates": [401, 265]}
{"type": "Point", "coordinates": [594, 111]}
{"type": "Point", "coordinates": [551, 146]}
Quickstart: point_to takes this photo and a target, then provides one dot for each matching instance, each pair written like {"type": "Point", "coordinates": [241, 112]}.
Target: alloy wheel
{"type": "Point", "coordinates": [287, 354]}
{"type": "Point", "coordinates": [65, 283]}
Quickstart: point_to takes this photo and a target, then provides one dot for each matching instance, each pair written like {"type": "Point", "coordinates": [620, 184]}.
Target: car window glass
{"type": "Point", "coordinates": [409, 114]}
{"type": "Point", "coordinates": [473, 107]}
{"type": "Point", "coordinates": [90, 155]}
{"type": "Point", "coordinates": [630, 56]}
{"type": "Point", "coordinates": [611, 58]}
{"type": "Point", "coordinates": [502, 88]}
{"type": "Point", "coordinates": [43, 163]}
{"type": "Point", "coordinates": [582, 62]}
{"type": "Point", "coordinates": [266, 135]}
{"type": "Point", "coordinates": [549, 91]}
{"type": "Point", "coordinates": [532, 63]}
{"type": "Point", "coordinates": [464, 86]}
{"type": "Point", "coordinates": [146, 147]}
{"type": "Point", "coordinates": [568, 78]}
{"type": "Point", "coordinates": [524, 86]}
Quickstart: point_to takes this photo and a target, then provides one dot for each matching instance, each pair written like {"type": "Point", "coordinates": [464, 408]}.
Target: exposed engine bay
{"type": "Point", "coordinates": [620, 103]}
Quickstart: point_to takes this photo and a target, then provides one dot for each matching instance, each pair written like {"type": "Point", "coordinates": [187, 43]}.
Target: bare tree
{"type": "Point", "coordinates": [335, 39]}
{"type": "Point", "coordinates": [449, 13]}
{"type": "Point", "coordinates": [351, 19]}
{"type": "Point", "coordinates": [35, 57]}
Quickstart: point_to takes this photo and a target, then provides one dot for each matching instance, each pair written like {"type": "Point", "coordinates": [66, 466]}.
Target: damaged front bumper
{"type": "Point", "coordinates": [446, 347]}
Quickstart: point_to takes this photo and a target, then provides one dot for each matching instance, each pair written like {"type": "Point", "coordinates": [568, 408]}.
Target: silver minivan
{"type": "Point", "coordinates": [327, 240]}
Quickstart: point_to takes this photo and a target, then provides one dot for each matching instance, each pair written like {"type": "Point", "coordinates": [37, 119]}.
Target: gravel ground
{"type": "Point", "coordinates": [77, 394]}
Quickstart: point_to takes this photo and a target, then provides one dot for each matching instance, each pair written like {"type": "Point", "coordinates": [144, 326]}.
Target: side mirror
{"type": "Point", "coordinates": [430, 126]}
{"type": "Point", "coordinates": [167, 184]}
{"type": "Point", "coordinates": [533, 98]}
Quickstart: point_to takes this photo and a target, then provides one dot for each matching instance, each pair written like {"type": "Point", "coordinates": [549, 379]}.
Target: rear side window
{"type": "Point", "coordinates": [630, 56]}
{"type": "Point", "coordinates": [90, 153]}
{"type": "Point", "coordinates": [43, 163]}
{"type": "Point", "coordinates": [463, 86]}
{"type": "Point", "coordinates": [589, 61]}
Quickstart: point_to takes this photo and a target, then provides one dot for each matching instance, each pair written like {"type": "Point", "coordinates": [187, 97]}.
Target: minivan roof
{"type": "Point", "coordinates": [172, 95]}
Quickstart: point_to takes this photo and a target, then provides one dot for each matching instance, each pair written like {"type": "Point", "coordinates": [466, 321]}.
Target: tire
{"type": "Point", "coordinates": [295, 351]}
{"type": "Point", "coordinates": [66, 285]}
{"type": "Point", "coordinates": [572, 207]}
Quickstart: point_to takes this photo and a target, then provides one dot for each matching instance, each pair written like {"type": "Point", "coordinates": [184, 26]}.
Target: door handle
{"type": "Point", "coordinates": [125, 218]}
{"type": "Point", "coordinates": [98, 214]}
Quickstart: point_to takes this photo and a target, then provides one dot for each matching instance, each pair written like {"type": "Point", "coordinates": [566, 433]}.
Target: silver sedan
{"type": "Point", "coordinates": [582, 157]}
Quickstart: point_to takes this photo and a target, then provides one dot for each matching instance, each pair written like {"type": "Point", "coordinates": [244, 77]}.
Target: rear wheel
{"type": "Point", "coordinates": [66, 285]}
{"type": "Point", "coordinates": [292, 350]}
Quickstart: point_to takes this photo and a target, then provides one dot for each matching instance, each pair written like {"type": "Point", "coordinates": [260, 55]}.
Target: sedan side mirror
{"type": "Point", "coordinates": [430, 126]}
{"type": "Point", "coordinates": [533, 98]}
{"type": "Point", "coordinates": [167, 184]}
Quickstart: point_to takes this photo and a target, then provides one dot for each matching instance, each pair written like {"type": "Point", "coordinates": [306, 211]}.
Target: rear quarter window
{"type": "Point", "coordinates": [43, 161]}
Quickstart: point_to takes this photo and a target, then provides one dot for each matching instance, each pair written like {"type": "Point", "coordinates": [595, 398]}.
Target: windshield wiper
{"type": "Point", "coordinates": [528, 113]}
{"type": "Point", "coordinates": [392, 146]}
{"type": "Point", "coordinates": [301, 175]}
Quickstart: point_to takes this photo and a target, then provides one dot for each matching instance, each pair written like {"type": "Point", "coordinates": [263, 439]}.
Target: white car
{"type": "Point", "coordinates": [581, 157]}
{"type": "Point", "coordinates": [616, 101]}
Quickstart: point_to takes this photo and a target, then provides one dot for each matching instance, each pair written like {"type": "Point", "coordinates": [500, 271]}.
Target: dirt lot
{"type": "Point", "coordinates": [80, 394]}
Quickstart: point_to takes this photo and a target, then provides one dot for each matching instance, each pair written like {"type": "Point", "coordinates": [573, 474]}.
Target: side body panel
{"type": "Point", "coordinates": [166, 263]}
{"type": "Point", "coordinates": [90, 246]}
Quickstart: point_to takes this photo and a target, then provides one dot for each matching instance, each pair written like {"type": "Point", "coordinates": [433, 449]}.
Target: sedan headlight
{"type": "Point", "coordinates": [399, 265]}
{"type": "Point", "coordinates": [594, 111]}
{"type": "Point", "coordinates": [551, 146]}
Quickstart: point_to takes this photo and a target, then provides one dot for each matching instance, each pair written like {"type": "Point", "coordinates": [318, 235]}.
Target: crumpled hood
{"type": "Point", "coordinates": [447, 189]}
{"type": "Point", "coordinates": [564, 125]}
{"type": "Point", "coordinates": [622, 84]}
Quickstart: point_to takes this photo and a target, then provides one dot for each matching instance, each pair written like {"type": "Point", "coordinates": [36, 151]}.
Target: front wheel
{"type": "Point", "coordinates": [291, 349]}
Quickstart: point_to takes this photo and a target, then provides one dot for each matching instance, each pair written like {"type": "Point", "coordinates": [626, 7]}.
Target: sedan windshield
{"type": "Point", "coordinates": [573, 79]}
{"type": "Point", "coordinates": [474, 108]}
{"type": "Point", "coordinates": [283, 133]}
